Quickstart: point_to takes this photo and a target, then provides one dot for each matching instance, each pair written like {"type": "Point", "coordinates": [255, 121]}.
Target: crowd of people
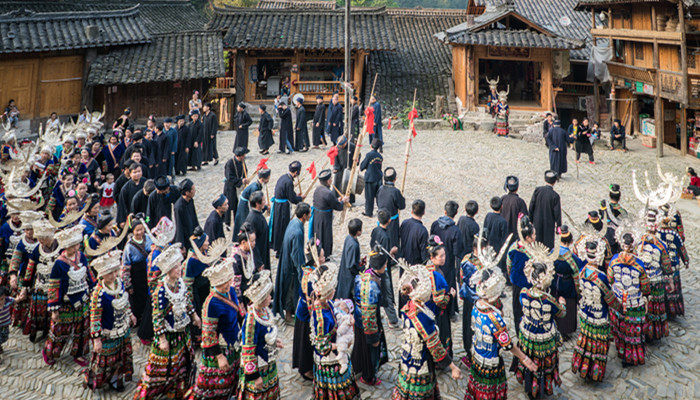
{"type": "Point", "coordinates": [97, 240]}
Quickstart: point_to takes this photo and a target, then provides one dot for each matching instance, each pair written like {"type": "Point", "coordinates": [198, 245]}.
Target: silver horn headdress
{"type": "Point", "coordinates": [216, 248]}
{"type": "Point", "coordinates": [591, 234]}
{"type": "Point", "coordinates": [493, 84]}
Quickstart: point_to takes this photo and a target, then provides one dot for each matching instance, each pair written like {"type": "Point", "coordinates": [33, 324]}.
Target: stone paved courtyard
{"type": "Point", "coordinates": [445, 165]}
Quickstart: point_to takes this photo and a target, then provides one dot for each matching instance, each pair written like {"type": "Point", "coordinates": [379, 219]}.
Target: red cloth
{"type": "Point", "coordinates": [332, 152]}
{"type": "Point", "coordinates": [312, 170]}
{"type": "Point", "coordinates": [262, 164]}
{"type": "Point", "coordinates": [411, 116]}
{"type": "Point", "coordinates": [389, 126]}
{"type": "Point", "coordinates": [369, 120]}
{"type": "Point", "coordinates": [695, 180]}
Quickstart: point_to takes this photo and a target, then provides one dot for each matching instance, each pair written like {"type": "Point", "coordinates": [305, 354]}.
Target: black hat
{"type": "Point", "coordinates": [137, 136]}
{"type": "Point", "coordinates": [512, 183]}
{"type": "Point", "coordinates": [389, 174]}
{"type": "Point", "coordinates": [593, 217]}
{"type": "Point", "coordinates": [551, 177]}
{"type": "Point", "coordinates": [615, 188]}
{"type": "Point", "coordinates": [179, 117]}
{"type": "Point", "coordinates": [161, 182]}
{"type": "Point", "coordinates": [342, 140]}
{"type": "Point", "coordinates": [564, 231]}
{"type": "Point", "coordinates": [198, 237]}
{"type": "Point", "coordinates": [168, 120]}
{"type": "Point", "coordinates": [376, 143]}
{"type": "Point", "coordinates": [295, 166]}
{"type": "Point", "coordinates": [318, 96]}
{"type": "Point", "coordinates": [263, 107]}
{"type": "Point", "coordinates": [104, 220]}
{"type": "Point", "coordinates": [324, 175]}
{"type": "Point", "coordinates": [219, 201]}
{"type": "Point", "coordinates": [264, 173]}
{"type": "Point", "coordinates": [240, 151]}
{"type": "Point", "coordinates": [194, 112]}
{"type": "Point", "coordinates": [242, 105]}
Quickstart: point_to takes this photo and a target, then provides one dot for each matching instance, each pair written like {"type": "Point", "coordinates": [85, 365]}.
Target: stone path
{"type": "Point", "coordinates": [445, 165]}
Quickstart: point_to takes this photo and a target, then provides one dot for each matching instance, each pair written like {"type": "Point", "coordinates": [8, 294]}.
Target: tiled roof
{"type": "Point", "coordinates": [303, 28]}
{"type": "Point", "coordinates": [513, 38]}
{"type": "Point", "coordinates": [306, 4]}
{"type": "Point", "coordinates": [169, 57]}
{"type": "Point", "coordinates": [419, 61]}
{"type": "Point", "coordinates": [585, 4]}
{"type": "Point", "coordinates": [24, 30]}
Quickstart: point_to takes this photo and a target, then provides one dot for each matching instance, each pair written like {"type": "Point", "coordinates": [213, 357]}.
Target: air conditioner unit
{"type": "Point", "coordinates": [582, 103]}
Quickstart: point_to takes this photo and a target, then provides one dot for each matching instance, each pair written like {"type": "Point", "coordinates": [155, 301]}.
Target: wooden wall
{"type": "Point", "coordinates": [459, 74]}
{"type": "Point", "coordinates": [164, 99]}
{"type": "Point", "coordinates": [42, 85]}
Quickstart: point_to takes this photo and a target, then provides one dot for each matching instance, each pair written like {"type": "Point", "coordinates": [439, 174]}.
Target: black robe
{"type": "Point", "coordinates": [469, 228]}
{"type": "Point", "coordinates": [139, 203]}
{"type": "Point", "coordinates": [126, 195]}
{"type": "Point", "coordinates": [334, 122]}
{"type": "Point", "coordinates": [289, 272]}
{"type": "Point", "coordinates": [243, 208]}
{"type": "Point", "coordinates": [349, 268]}
{"type": "Point", "coordinates": [160, 205]}
{"type": "Point", "coordinates": [545, 213]}
{"type": "Point", "coordinates": [262, 244]}
{"type": "Point", "coordinates": [183, 150]}
{"type": "Point", "coordinates": [380, 237]}
{"type": "Point", "coordinates": [342, 163]}
{"type": "Point", "coordinates": [211, 127]}
{"type": "Point", "coordinates": [319, 125]}
{"type": "Point", "coordinates": [162, 154]}
{"type": "Point", "coordinates": [149, 157]}
{"type": "Point", "coordinates": [265, 138]}
{"type": "Point", "coordinates": [241, 122]}
{"type": "Point", "coordinates": [119, 184]}
{"type": "Point", "coordinates": [214, 226]}
{"type": "Point", "coordinates": [301, 130]}
{"type": "Point", "coordinates": [321, 224]}
{"type": "Point", "coordinates": [557, 141]}
{"type": "Point", "coordinates": [234, 174]}
{"type": "Point", "coordinates": [196, 136]}
{"type": "Point", "coordinates": [390, 199]}
{"type": "Point", "coordinates": [451, 236]}
{"type": "Point", "coordinates": [286, 130]}
{"type": "Point", "coordinates": [185, 221]}
{"type": "Point", "coordinates": [511, 207]}
{"type": "Point", "coordinates": [413, 241]}
{"type": "Point", "coordinates": [281, 209]}
{"type": "Point", "coordinates": [355, 121]}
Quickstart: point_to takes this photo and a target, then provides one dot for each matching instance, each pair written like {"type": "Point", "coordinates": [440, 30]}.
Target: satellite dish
{"type": "Point", "coordinates": [565, 21]}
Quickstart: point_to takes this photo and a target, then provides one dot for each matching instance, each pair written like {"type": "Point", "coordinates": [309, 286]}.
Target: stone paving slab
{"type": "Point", "coordinates": [444, 165]}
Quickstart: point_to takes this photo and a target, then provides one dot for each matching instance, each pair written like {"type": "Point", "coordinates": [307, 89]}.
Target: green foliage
{"type": "Point", "coordinates": [403, 114]}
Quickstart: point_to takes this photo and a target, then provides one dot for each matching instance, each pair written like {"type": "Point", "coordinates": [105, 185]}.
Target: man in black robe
{"type": "Point", "coordinates": [235, 174]}
{"type": "Point", "coordinates": [262, 231]}
{"type": "Point", "coordinates": [545, 210]}
{"type": "Point", "coordinates": [496, 229]}
{"type": "Point", "coordinates": [324, 202]}
{"type": "Point", "coordinates": [241, 122]}
{"type": "Point", "coordinates": [380, 237]}
{"type": "Point", "coordinates": [334, 122]}
{"type": "Point", "coordinates": [281, 208]}
{"type": "Point", "coordinates": [211, 128]}
{"type": "Point", "coordinates": [160, 202]}
{"type": "Point", "coordinates": [185, 214]}
{"type": "Point", "coordinates": [243, 208]}
{"type": "Point", "coordinates": [557, 141]}
{"type": "Point", "coordinates": [291, 260]}
{"type": "Point", "coordinates": [355, 113]}
{"type": "Point", "coordinates": [183, 146]}
{"type": "Point", "coordinates": [196, 142]}
{"type": "Point", "coordinates": [468, 225]}
{"type": "Point", "coordinates": [342, 162]}
{"type": "Point", "coordinates": [265, 138]}
{"type": "Point", "coordinates": [373, 177]}
{"type": "Point", "coordinates": [214, 225]}
{"type": "Point", "coordinates": [162, 151]}
{"type": "Point", "coordinates": [548, 121]}
{"type": "Point", "coordinates": [413, 238]}
{"type": "Point", "coordinates": [121, 181]}
{"type": "Point", "coordinates": [139, 204]}
{"type": "Point", "coordinates": [350, 262]}
{"type": "Point", "coordinates": [172, 137]}
{"type": "Point", "coordinates": [286, 130]}
{"type": "Point", "coordinates": [319, 123]}
{"type": "Point", "coordinates": [128, 192]}
{"type": "Point", "coordinates": [452, 239]}
{"type": "Point", "coordinates": [512, 206]}
{"type": "Point", "coordinates": [301, 129]}
{"type": "Point", "coordinates": [389, 198]}
{"type": "Point", "coordinates": [136, 144]}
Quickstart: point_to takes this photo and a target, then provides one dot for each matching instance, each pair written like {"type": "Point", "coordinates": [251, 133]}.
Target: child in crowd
{"type": "Point", "coordinates": [107, 200]}
{"type": "Point", "coordinates": [6, 303]}
{"type": "Point", "coordinates": [345, 336]}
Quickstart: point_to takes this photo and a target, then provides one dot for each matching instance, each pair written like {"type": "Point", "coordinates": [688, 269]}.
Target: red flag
{"type": "Point", "coordinates": [332, 152]}
{"type": "Point", "coordinates": [369, 120]}
{"type": "Point", "coordinates": [262, 164]}
{"type": "Point", "coordinates": [412, 116]}
{"type": "Point", "coordinates": [389, 126]}
{"type": "Point", "coordinates": [312, 170]}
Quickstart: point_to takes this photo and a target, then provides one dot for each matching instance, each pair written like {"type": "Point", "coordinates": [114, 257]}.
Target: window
{"type": "Point", "coordinates": [638, 51]}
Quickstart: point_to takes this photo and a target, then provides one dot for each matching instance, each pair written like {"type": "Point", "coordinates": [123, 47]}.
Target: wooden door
{"type": "Point", "coordinates": [19, 83]}
{"type": "Point", "coordinates": [60, 85]}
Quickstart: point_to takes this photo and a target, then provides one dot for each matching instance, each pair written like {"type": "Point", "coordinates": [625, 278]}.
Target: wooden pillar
{"type": "Point", "coordinates": [658, 104]}
{"type": "Point", "coordinates": [684, 81]}
{"type": "Point", "coordinates": [596, 86]}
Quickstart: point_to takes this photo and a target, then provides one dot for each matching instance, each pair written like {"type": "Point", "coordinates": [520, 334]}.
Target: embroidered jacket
{"type": "Point", "coordinates": [258, 343]}
{"type": "Point", "coordinates": [656, 261]}
{"type": "Point", "coordinates": [303, 311]}
{"type": "Point", "coordinates": [36, 275]}
{"type": "Point", "coordinates": [171, 309]}
{"type": "Point", "coordinates": [21, 255]}
{"type": "Point", "coordinates": [441, 291]}
{"type": "Point", "coordinates": [515, 262]}
{"type": "Point", "coordinates": [421, 342]}
{"type": "Point", "coordinates": [596, 296]}
{"type": "Point", "coordinates": [110, 313]}
{"type": "Point", "coordinates": [69, 282]}
{"type": "Point", "coordinates": [676, 248]}
{"type": "Point", "coordinates": [220, 317]}
{"type": "Point", "coordinates": [154, 272]}
{"type": "Point", "coordinates": [567, 268]}
{"type": "Point", "coordinates": [490, 336]}
{"type": "Point", "coordinates": [539, 310]}
{"type": "Point", "coordinates": [367, 297]}
{"type": "Point", "coordinates": [629, 280]}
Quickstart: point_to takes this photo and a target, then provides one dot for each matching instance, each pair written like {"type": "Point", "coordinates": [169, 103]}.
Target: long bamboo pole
{"type": "Point", "coordinates": [408, 143]}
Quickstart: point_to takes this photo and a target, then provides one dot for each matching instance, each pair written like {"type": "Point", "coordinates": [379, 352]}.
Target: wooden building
{"type": "Point", "coordinates": [148, 55]}
{"type": "Point", "coordinates": [655, 69]}
{"type": "Point", "coordinates": [538, 47]}
{"type": "Point", "coordinates": [303, 43]}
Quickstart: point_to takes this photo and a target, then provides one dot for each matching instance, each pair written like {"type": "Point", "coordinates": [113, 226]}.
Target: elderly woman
{"type": "Point", "coordinates": [329, 383]}
{"type": "Point", "coordinates": [259, 343]}
{"type": "Point", "coordinates": [111, 320]}
{"type": "Point", "coordinates": [170, 367]}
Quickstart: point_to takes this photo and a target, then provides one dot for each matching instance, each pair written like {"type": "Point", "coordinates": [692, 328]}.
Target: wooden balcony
{"type": "Point", "coordinates": [630, 72]}
{"type": "Point", "coordinates": [694, 89]}
{"type": "Point", "coordinates": [224, 86]}
{"type": "Point", "coordinates": [324, 88]}
{"type": "Point", "coordinates": [638, 35]}
{"type": "Point", "coordinates": [576, 88]}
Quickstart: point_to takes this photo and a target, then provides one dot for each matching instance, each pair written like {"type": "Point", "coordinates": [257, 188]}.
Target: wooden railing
{"type": "Point", "coordinates": [223, 86]}
{"type": "Point", "coordinates": [225, 83]}
{"type": "Point", "coordinates": [630, 72]}
{"type": "Point", "coordinates": [578, 88]}
{"type": "Point", "coordinates": [320, 87]}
